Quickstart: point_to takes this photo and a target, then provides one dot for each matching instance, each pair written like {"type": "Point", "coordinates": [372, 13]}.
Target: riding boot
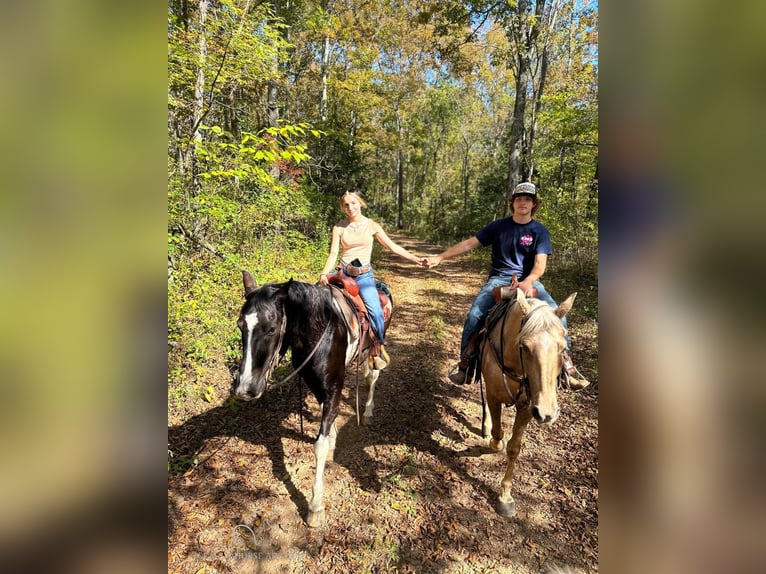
{"type": "Point", "coordinates": [382, 360]}
{"type": "Point", "coordinates": [379, 358]}
{"type": "Point", "coordinates": [467, 362]}
{"type": "Point", "coordinates": [570, 376]}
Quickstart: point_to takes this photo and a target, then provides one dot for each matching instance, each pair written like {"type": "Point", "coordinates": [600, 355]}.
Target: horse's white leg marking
{"type": "Point", "coordinates": [316, 507]}
{"type": "Point", "coordinates": [370, 377]}
{"type": "Point", "coordinates": [332, 437]}
{"type": "Point", "coordinates": [251, 320]}
{"type": "Point", "coordinates": [487, 426]}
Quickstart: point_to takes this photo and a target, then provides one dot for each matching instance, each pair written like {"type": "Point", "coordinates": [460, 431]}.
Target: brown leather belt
{"type": "Point", "coordinates": [353, 271]}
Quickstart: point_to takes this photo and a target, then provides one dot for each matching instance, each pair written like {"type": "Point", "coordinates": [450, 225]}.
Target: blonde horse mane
{"type": "Point", "coordinates": [541, 317]}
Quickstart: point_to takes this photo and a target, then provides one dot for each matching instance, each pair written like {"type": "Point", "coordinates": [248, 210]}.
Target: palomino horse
{"type": "Point", "coordinates": [315, 323]}
{"type": "Point", "coordinates": [521, 359]}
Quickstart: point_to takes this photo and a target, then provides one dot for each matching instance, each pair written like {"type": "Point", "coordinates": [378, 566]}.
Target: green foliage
{"type": "Point", "coordinates": [399, 83]}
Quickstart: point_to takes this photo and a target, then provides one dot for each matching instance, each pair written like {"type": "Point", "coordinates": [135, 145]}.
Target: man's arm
{"type": "Point", "coordinates": [457, 249]}
{"type": "Point", "coordinates": [541, 262]}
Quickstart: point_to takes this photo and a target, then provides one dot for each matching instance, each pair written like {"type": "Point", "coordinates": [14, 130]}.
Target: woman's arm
{"type": "Point", "coordinates": [332, 258]}
{"type": "Point", "coordinates": [391, 245]}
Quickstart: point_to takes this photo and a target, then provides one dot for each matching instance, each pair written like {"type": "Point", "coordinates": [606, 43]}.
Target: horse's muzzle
{"type": "Point", "coordinates": [247, 390]}
{"type": "Point", "coordinates": [247, 395]}
{"type": "Point", "coordinates": [545, 416]}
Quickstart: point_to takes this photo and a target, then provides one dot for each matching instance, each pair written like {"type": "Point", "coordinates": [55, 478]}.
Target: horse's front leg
{"type": "Point", "coordinates": [506, 506]}
{"type": "Point", "coordinates": [332, 436]}
{"type": "Point", "coordinates": [493, 414]}
{"type": "Point", "coordinates": [323, 446]}
{"type": "Point", "coordinates": [370, 377]}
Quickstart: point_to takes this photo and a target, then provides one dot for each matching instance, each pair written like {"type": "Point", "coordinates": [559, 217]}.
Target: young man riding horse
{"type": "Point", "coordinates": [520, 248]}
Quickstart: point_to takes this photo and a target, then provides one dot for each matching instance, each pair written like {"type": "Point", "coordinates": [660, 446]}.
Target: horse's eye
{"type": "Point", "coordinates": [271, 332]}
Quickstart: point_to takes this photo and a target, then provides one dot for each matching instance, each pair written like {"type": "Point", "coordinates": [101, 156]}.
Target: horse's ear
{"type": "Point", "coordinates": [566, 306]}
{"type": "Point", "coordinates": [249, 282]}
{"type": "Point", "coordinates": [285, 287]}
{"type": "Point", "coordinates": [522, 301]}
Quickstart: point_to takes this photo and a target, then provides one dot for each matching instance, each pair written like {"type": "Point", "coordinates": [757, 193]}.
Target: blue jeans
{"type": "Point", "coordinates": [369, 294]}
{"type": "Point", "coordinates": [484, 302]}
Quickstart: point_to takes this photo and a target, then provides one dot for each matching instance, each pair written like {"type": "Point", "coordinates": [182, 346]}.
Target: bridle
{"type": "Point", "coordinates": [522, 379]}
{"type": "Point", "coordinates": [278, 356]}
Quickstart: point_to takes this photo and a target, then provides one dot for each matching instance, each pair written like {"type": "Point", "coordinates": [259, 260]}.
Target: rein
{"type": "Point", "coordinates": [276, 358]}
{"type": "Point", "coordinates": [522, 380]}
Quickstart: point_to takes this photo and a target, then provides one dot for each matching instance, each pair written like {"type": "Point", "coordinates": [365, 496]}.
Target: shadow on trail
{"type": "Point", "coordinates": [414, 408]}
{"type": "Point", "coordinates": [196, 444]}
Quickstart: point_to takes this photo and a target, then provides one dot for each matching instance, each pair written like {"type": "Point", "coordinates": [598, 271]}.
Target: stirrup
{"type": "Point", "coordinates": [458, 376]}
{"type": "Point", "coordinates": [570, 377]}
{"type": "Point", "coordinates": [380, 361]}
{"type": "Point", "coordinates": [377, 363]}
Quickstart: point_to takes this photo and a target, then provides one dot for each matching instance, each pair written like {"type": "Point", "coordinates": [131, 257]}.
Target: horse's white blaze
{"type": "Point", "coordinates": [251, 320]}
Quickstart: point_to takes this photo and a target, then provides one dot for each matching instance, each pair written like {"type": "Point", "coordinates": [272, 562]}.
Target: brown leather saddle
{"type": "Point", "coordinates": [502, 292]}
{"type": "Point", "coordinates": [346, 293]}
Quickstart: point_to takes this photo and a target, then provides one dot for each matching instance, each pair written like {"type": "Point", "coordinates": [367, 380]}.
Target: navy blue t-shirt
{"type": "Point", "coordinates": [514, 245]}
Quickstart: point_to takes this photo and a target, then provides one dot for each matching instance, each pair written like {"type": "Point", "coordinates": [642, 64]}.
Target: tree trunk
{"type": "Point", "coordinates": [535, 112]}
{"type": "Point", "coordinates": [538, 94]}
{"type": "Point", "coordinates": [272, 115]}
{"type": "Point", "coordinates": [517, 127]}
{"type": "Point", "coordinates": [325, 71]}
{"type": "Point", "coordinates": [399, 174]}
{"type": "Point", "coordinates": [524, 34]}
{"type": "Point", "coordinates": [465, 171]}
{"type": "Point", "coordinates": [199, 93]}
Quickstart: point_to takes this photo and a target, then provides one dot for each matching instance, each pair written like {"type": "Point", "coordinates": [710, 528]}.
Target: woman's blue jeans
{"type": "Point", "coordinates": [369, 294]}
{"type": "Point", "coordinates": [484, 302]}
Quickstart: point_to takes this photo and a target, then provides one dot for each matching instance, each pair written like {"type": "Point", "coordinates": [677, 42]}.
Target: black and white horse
{"type": "Point", "coordinates": [323, 333]}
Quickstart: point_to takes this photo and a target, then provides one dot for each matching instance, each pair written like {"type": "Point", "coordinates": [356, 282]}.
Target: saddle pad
{"type": "Point", "coordinates": [348, 310]}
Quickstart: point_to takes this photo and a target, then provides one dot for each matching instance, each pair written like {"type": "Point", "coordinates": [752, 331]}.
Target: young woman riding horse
{"type": "Point", "coordinates": [355, 235]}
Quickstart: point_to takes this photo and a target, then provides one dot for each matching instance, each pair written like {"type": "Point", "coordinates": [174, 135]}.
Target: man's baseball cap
{"type": "Point", "coordinates": [525, 188]}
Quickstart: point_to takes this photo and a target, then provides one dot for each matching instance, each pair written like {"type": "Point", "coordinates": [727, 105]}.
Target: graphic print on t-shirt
{"type": "Point", "coordinates": [525, 240]}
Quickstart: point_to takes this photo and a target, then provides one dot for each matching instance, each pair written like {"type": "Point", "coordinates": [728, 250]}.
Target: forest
{"type": "Point", "coordinates": [434, 110]}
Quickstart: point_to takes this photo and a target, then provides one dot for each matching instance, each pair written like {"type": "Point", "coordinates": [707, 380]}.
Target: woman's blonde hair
{"type": "Point", "coordinates": [356, 194]}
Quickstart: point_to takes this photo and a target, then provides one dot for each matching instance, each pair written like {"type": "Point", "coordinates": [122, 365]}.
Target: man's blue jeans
{"type": "Point", "coordinates": [484, 302]}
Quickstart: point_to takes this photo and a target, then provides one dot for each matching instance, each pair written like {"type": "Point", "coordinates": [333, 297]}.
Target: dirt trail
{"type": "Point", "coordinates": [415, 491]}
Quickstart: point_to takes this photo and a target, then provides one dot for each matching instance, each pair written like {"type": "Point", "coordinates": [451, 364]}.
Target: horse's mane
{"type": "Point", "coordinates": [541, 317]}
{"type": "Point", "coordinates": [314, 302]}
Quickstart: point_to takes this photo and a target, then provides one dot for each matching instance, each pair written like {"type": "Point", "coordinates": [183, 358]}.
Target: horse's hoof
{"type": "Point", "coordinates": [315, 519]}
{"type": "Point", "coordinates": [506, 509]}
{"type": "Point", "coordinates": [496, 445]}
{"type": "Point", "coordinates": [366, 421]}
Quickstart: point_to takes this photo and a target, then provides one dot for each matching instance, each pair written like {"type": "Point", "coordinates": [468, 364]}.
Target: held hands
{"type": "Point", "coordinates": [430, 262]}
{"type": "Point", "coordinates": [323, 279]}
